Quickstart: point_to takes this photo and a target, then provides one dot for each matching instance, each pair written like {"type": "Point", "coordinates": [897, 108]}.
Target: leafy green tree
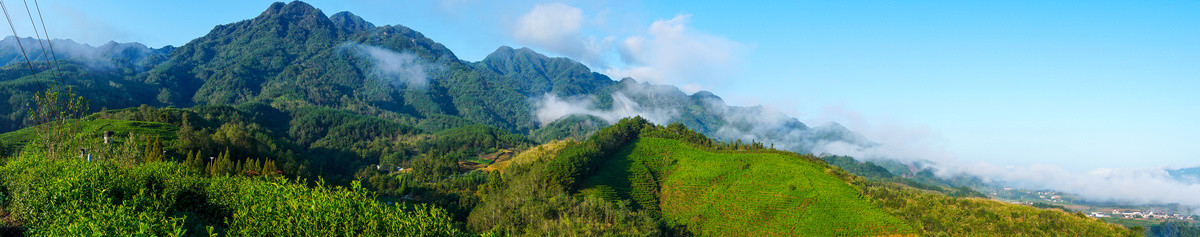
{"type": "Point", "coordinates": [154, 152]}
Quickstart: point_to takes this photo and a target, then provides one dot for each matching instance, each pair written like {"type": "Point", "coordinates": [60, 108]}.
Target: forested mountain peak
{"type": "Point", "coordinates": [836, 130]}
{"type": "Point", "coordinates": [351, 22]}
{"type": "Point", "coordinates": [102, 56]}
{"type": "Point", "coordinates": [293, 10]}
{"type": "Point", "coordinates": [293, 55]}
{"type": "Point", "coordinates": [539, 74]}
{"type": "Point", "coordinates": [293, 50]}
{"type": "Point", "coordinates": [706, 95]}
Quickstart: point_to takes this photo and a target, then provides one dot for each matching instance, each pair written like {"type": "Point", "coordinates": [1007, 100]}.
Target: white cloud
{"type": "Point", "coordinates": [395, 68]}
{"type": "Point", "coordinates": [551, 107]}
{"type": "Point", "coordinates": [672, 53]}
{"type": "Point", "coordinates": [1148, 185]}
{"type": "Point", "coordinates": [666, 52]}
{"type": "Point", "coordinates": [81, 27]}
{"type": "Point", "coordinates": [890, 139]}
{"type": "Point", "coordinates": [557, 27]}
{"type": "Point", "coordinates": [920, 143]}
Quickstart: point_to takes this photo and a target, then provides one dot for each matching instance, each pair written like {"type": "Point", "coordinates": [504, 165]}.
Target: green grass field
{"type": "Point", "coordinates": [94, 129]}
{"type": "Point", "coordinates": [743, 194]}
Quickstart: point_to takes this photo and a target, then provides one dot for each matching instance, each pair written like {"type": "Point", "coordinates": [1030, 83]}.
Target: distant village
{"type": "Point", "coordinates": [1139, 214]}
{"type": "Point", "coordinates": [1018, 194]}
{"type": "Point", "coordinates": [1036, 198]}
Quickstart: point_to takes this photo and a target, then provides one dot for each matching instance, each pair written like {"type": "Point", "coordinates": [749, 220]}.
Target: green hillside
{"type": "Point", "coordinates": [723, 193]}
{"type": "Point", "coordinates": [631, 178]}
{"type": "Point", "coordinates": [93, 130]}
{"type": "Point", "coordinates": [290, 126]}
{"type": "Point", "coordinates": [688, 184]}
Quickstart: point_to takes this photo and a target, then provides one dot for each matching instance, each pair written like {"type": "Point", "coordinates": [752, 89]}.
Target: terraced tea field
{"type": "Point", "coordinates": [730, 193]}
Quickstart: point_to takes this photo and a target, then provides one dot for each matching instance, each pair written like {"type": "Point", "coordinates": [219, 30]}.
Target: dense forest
{"type": "Point", "coordinates": [284, 125]}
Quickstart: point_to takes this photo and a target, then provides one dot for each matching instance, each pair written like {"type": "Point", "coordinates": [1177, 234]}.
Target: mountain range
{"type": "Point", "coordinates": [293, 55]}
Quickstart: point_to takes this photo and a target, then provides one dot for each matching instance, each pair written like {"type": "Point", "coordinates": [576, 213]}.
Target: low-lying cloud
{"type": "Point", "coordinates": [1146, 185]}
{"type": "Point", "coordinates": [892, 141]}
{"type": "Point", "coordinates": [550, 108]}
{"type": "Point", "coordinates": [102, 58]}
{"type": "Point", "coordinates": [665, 104]}
{"type": "Point", "coordinates": [396, 68]}
{"type": "Point", "coordinates": [668, 51]}
{"type": "Point", "coordinates": [671, 52]}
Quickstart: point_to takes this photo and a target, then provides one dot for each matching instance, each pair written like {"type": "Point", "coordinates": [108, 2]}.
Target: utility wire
{"type": "Point", "coordinates": [18, 38]}
{"type": "Point", "coordinates": [51, 44]}
{"type": "Point", "coordinates": [38, 37]}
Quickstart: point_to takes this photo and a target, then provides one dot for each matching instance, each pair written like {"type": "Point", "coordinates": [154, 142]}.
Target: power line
{"type": "Point", "coordinates": [18, 38]}
{"type": "Point", "coordinates": [38, 37]}
{"type": "Point", "coordinates": [57, 66]}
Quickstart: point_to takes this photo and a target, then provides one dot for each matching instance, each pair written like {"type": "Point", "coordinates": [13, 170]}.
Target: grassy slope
{"type": "Point", "coordinates": [94, 129]}
{"type": "Point", "coordinates": [730, 193]}
{"type": "Point", "coordinates": [940, 215]}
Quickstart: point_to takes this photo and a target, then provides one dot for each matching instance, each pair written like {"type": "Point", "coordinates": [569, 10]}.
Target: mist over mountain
{"type": "Point", "coordinates": [293, 54]}
{"type": "Point", "coordinates": [107, 74]}
{"type": "Point", "coordinates": [108, 56]}
{"type": "Point", "coordinates": [1186, 175]}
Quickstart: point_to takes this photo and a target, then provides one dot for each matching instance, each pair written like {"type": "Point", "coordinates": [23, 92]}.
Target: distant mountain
{"type": "Point", "coordinates": [536, 74]}
{"type": "Point", "coordinates": [293, 55]}
{"type": "Point", "coordinates": [106, 75]}
{"type": "Point", "coordinates": [111, 55]}
{"type": "Point", "coordinates": [709, 114]}
{"type": "Point", "coordinates": [1186, 175]}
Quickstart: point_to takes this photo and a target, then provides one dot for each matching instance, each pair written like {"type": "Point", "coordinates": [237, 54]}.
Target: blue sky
{"type": "Point", "coordinates": [1080, 85]}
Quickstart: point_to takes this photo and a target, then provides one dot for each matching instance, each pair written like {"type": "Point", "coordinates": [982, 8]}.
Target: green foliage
{"type": "Point", "coordinates": [473, 139]}
{"type": "Point", "coordinates": [154, 152]}
{"type": "Point", "coordinates": [458, 194]}
{"type": "Point", "coordinates": [86, 134]}
{"type": "Point", "coordinates": [575, 127]}
{"type": "Point", "coordinates": [58, 113]}
{"type": "Point", "coordinates": [535, 74]}
{"type": "Point", "coordinates": [384, 183]}
{"type": "Point", "coordinates": [69, 196]}
{"type": "Point", "coordinates": [719, 193]}
{"type": "Point", "coordinates": [531, 196]}
{"type": "Point", "coordinates": [938, 214]}
{"type": "Point", "coordinates": [536, 154]}
{"type": "Point", "coordinates": [519, 202]}
{"type": "Point", "coordinates": [432, 167]}
{"type": "Point", "coordinates": [1174, 228]}
{"type": "Point", "coordinates": [281, 207]}
{"type": "Point", "coordinates": [576, 161]}
{"type": "Point", "coordinates": [105, 88]}
{"type": "Point", "coordinates": [292, 55]}
{"type": "Point", "coordinates": [865, 169]}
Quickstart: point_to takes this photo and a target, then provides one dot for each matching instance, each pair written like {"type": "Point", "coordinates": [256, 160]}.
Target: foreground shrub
{"type": "Point", "coordinates": [71, 197]}
{"type": "Point", "coordinates": [281, 207]}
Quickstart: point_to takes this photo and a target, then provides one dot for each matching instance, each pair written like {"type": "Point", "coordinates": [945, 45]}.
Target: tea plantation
{"type": "Point", "coordinates": [722, 193]}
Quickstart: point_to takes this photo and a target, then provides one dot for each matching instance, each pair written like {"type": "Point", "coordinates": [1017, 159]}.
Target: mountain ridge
{"type": "Point", "coordinates": [292, 54]}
